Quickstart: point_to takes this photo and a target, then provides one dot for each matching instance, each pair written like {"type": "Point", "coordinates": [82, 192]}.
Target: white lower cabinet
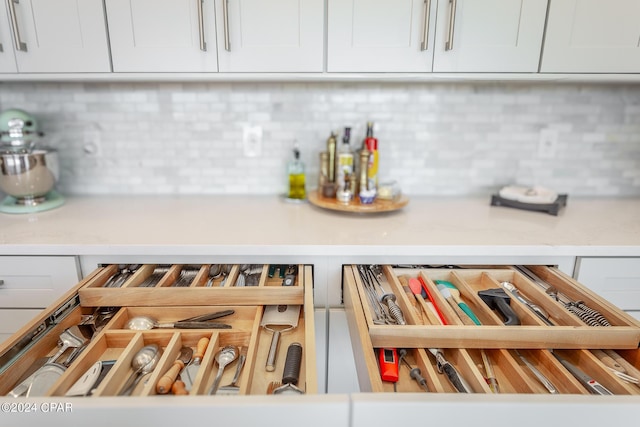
{"type": "Point", "coordinates": [30, 283]}
{"type": "Point", "coordinates": [616, 279]}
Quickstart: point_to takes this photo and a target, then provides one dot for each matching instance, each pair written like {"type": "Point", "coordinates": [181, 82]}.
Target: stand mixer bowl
{"type": "Point", "coordinates": [28, 176]}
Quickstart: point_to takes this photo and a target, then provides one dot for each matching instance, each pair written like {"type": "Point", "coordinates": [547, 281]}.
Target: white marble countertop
{"type": "Point", "coordinates": [255, 225]}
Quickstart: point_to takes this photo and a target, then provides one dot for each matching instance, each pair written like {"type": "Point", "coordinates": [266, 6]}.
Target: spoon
{"type": "Point", "coordinates": [225, 356]}
{"type": "Point", "coordinates": [145, 323]}
{"type": "Point", "coordinates": [144, 361]}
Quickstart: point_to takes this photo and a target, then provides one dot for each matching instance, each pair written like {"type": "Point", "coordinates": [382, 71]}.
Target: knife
{"type": "Point", "coordinates": [590, 383]}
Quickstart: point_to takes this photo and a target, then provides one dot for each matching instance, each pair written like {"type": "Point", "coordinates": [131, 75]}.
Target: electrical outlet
{"type": "Point", "coordinates": [548, 143]}
{"type": "Point", "coordinates": [252, 141]}
{"type": "Point", "coordinates": [92, 146]}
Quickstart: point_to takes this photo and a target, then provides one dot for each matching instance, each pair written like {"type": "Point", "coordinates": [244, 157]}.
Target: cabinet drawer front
{"type": "Point", "coordinates": [616, 279]}
{"type": "Point", "coordinates": [35, 282]}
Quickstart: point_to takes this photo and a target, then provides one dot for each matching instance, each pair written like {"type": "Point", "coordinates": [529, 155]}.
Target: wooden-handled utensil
{"type": "Point", "coordinates": [191, 370]}
{"type": "Point", "coordinates": [167, 380]}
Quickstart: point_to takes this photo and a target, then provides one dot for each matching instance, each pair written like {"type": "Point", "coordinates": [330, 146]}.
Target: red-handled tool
{"type": "Point", "coordinates": [388, 358]}
{"type": "Point", "coordinates": [433, 301]}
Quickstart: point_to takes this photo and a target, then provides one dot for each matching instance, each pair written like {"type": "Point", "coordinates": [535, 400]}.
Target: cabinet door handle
{"type": "Point", "coordinates": [1, 282]}
{"type": "Point", "coordinates": [225, 13]}
{"type": "Point", "coordinates": [20, 45]}
{"type": "Point", "coordinates": [452, 24]}
{"type": "Point", "coordinates": [203, 43]}
{"type": "Point", "coordinates": [424, 43]}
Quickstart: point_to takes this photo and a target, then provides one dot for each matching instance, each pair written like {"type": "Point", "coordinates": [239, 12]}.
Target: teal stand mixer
{"type": "Point", "coordinates": [28, 170]}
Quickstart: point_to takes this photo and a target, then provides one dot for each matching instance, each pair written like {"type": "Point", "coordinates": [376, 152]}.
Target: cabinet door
{"type": "Point", "coordinates": [616, 279]}
{"type": "Point", "coordinates": [162, 35]}
{"type": "Point", "coordinates": [61, 36]}
{"type": "Point", "coordinates": [489, 35]}
{"type": "Point", "coordinates": [270, 36]}
{"type": "Point", "coordinates": [7, 58]}
{"type": "Point", "coordinates": [592, 36]}
{"type": "Point", "coordinates": [380, 35]}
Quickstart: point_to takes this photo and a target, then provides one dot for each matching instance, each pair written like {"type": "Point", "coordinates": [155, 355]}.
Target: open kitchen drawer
{"type": "Point", "coordinates": [444, 343]}
{"type": "Point", "coordinates": [97, 324]}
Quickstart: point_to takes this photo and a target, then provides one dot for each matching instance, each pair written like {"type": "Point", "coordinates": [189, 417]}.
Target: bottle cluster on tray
{"type": "Point", "coordinates": [349, 174]}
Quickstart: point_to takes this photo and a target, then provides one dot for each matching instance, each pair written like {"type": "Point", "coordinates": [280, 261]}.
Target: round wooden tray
{"type": "Point", "coordinates": [378, 205]}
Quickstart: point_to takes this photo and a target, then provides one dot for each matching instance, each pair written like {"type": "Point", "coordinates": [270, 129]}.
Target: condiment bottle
{"type": "Point", "coordinates": [364, 165]}
{"type": "Point", "coordinates": [295, 169]}
{"type": "Point", "coordinates": [332, 144]}
{"type": "Point", "coordinates": [345, 178]}
{"type": "Point", "coordinates": [371, 144]}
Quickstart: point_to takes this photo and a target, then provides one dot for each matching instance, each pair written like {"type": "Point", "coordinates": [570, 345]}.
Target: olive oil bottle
{"type": "Point", "coordinates": [295, 170]}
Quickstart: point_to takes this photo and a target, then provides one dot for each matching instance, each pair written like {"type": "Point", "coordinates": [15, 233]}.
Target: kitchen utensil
{"type": "Point", "coordinates": [179, 387]}
{"type": "Point", "coordinates": [91, 379]}
{"type": "Point", "coordinates": [593, 386]}
{"type": "Point", "coordinates": [497, 299]}
{"type": "Point", "coordinates": [416, 289]}
{"type": "Point", "coordinates": [536, 309]}
{"type": "Point", "coordinates": [69, 338]}
{"type": "Point", "coordinates": [44, 379]}
{"type": "Point", "coordinates": [492, 381]}
{"type": "Point", "coordinates": [388, 363]}
{"type": "Point", "coordinates": [233, 388]}
{"type": "Point", "coordinates": [191, 370]}
{"type": "Point", "coordinates": [25, 380]}
{"type": "Point", "coordinates": [585, 313]}
{"type": "Point", "coordinates": [444, 367]}
{"type": "Point", "coordinates": [166, 381]}
{"type": "Point", "coordinates": [215, 271]}
{"type": "Point", "coordinates": [443, 320]}
{"type": "Point", "coordinates": [392, 314]}
{"type": "Point", "coordinates": [143, 362]}
{"type": "Point", "coordinates": [144, 323]}
{"type": "Point", "coordinates": [628, 367]}
{"type": "Point", "coordinates": [455, 293]}
{"type": "Point", "coordinates": [539, 375]}
{"type": "Point", "coordinates": [278, 319]}
{"type": "Point", "coordinates": [291, 371]}
{"type": "Point", "coordinates": [155, 277]}
{"type": "Point", "coordinates": [462, 315]}
{"type": "Point", "coordinates": [224, 357]}
{"type": "Point", "coordinates": [187, 274]}
{"type": "Point", "coordinates": [414, 373]}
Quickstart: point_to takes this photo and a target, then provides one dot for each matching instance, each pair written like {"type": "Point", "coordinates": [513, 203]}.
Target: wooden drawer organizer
{"type": "Point", "coordinates": [197, 293]}
{"type": "Point", "coordinates": [463, 344]}
{"type": "Point", "coordinates": [115, 342]}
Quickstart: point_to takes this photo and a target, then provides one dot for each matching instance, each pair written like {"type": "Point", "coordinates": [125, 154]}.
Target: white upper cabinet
{"type": "Point", "coordinates": [55, 36]}
{"type": "Point", "coordinates": [489, 35]}
{"type": "Point", "coordinates": [162, 35]}
{"type": "Point", "coordinates": [270, 36]}
{"type": "Point", "coordinates": [592, 36]}
{"type": "Point", "coordinates": [7, 58]}
{"type": "Point", "coordinates": [380, 35]}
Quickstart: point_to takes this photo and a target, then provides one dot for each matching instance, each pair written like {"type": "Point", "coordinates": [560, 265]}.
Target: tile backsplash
{"type": "Point", "coordinates": [435, 138]}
